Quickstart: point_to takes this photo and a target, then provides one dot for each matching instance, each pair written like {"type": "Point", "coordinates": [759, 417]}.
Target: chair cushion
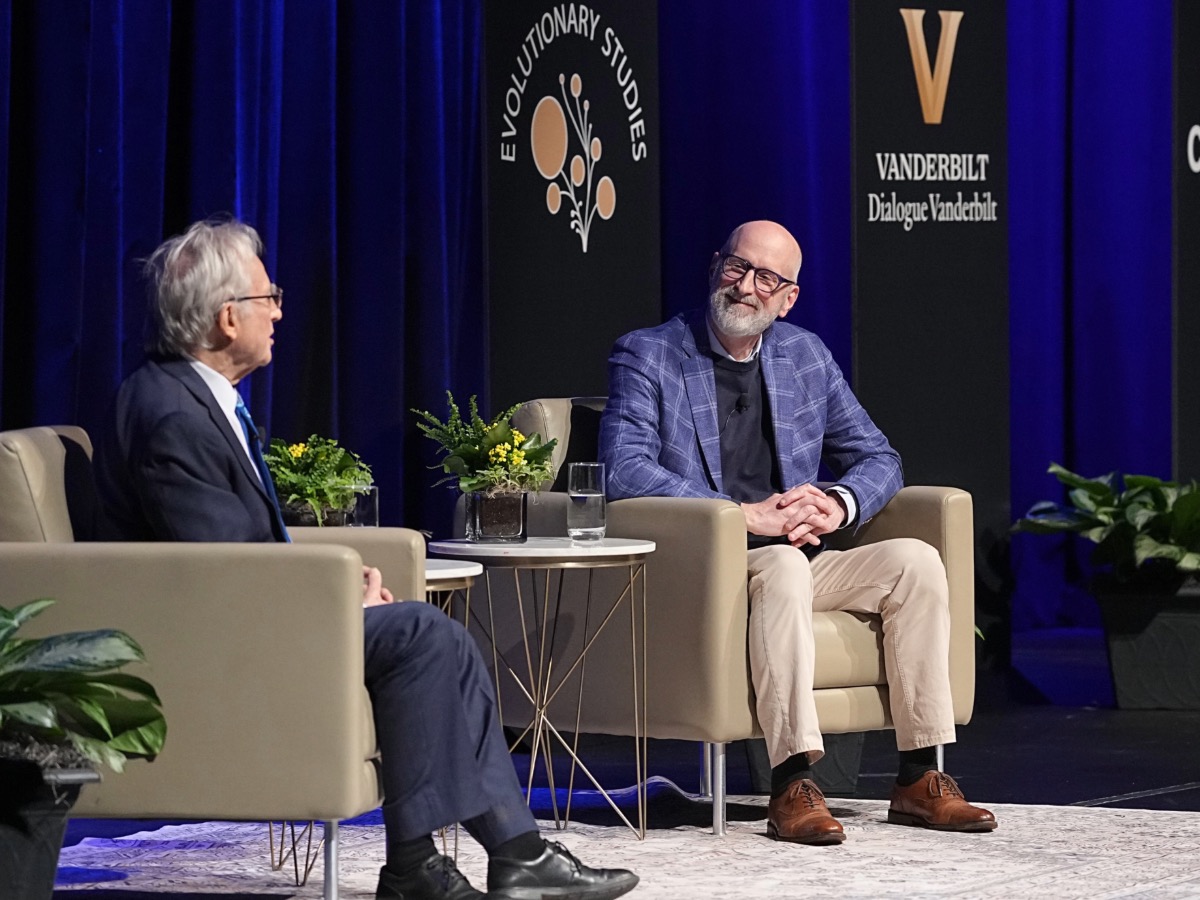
{"type": "Point", "coordinates": [849, 650]}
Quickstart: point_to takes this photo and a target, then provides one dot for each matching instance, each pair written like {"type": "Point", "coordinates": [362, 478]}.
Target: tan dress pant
{"type": "Point", "coordinates": [902, 580]}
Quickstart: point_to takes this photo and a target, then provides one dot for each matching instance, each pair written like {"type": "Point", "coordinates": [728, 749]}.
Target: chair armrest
{"type": "Point", "coordinates": [256, 651]}
{"type": "Point", "coordinates": [696, 580]}
{"type": "Point", "coordinates": [398, 553]}
{"type": "Point", "coordinates": [942, 517]}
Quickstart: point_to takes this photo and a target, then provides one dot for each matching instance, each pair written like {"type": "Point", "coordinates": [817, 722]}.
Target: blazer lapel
{"type": "Point", "coordinates": [782, 385]}
{"type": "Point", "coordinates": [182, 370]}
{"type": "Point", "coordinates": [701, 388]}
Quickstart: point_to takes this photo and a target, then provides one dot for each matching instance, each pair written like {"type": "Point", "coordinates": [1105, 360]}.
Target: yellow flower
{"type": "Point", "coordinates": [518, 438]}
{"type": "Point", "coordinates": [499, 453]}
{"type": "Point", "coordinates": [518, 457]}
{"type": "Point", "coordinates": [297, 450]}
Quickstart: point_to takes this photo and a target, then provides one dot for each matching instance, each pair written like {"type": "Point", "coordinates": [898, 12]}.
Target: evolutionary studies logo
{"type": "Point", "coordinates": [932, 83]}
{"type": "Point", "coordinates": [587, 125]}
{"type": "Point", "coordinates": [550, 139]}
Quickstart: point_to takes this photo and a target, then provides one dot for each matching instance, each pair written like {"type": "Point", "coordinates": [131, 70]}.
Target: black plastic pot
{"type": "Point", "coordinates": [33, 819]}
{"type": "Point", "coordinates": [1153, 647]}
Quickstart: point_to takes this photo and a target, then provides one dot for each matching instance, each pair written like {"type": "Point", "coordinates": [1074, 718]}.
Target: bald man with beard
{"type": "Point", "coordinates": [731, 403]}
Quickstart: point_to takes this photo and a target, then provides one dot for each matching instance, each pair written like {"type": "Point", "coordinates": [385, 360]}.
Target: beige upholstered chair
{"type": "Point", "coordinates": [698, 668]}
{"type": "Point", "coordinates": [255, 649]}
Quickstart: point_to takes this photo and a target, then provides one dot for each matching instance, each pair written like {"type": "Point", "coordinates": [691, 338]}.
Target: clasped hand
{"type": "Point", "coordinates": [803, 514]}
{"type": "Point", "coordinates": [374, 593]}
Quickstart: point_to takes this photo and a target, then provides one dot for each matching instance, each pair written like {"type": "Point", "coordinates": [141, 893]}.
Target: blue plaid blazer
{"type": "Point", "coordinates": [659, 434]}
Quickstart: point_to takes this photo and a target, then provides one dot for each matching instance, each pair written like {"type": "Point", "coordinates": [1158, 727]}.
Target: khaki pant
{"type": "Point", "coordinates": [903, 581]}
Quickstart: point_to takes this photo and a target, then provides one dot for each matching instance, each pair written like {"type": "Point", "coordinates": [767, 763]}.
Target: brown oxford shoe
{"type": "Point", "coordinates": [800, 815]}
{"type": "Point", "coordinates": [935, 801]}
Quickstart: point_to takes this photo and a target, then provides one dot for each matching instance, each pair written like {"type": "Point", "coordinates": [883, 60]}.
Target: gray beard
{"type": "Point", "coordinates": [731, 320]}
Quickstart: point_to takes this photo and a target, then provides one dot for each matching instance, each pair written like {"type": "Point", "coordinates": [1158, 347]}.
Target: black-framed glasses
{"type": "Point", "coordinates": [276, 297]}
{"type": "Point", "coordinates": [765, 281]}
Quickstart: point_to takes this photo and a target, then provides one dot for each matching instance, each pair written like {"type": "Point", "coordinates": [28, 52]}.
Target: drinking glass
{"type": "Point", "coordinates": [585, 513]}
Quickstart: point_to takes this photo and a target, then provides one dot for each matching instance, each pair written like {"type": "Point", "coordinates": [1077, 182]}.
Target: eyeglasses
{"type": "Point", "coordinates": [276, 297]}
{"type": "Point", "coordinates": [765, 281]}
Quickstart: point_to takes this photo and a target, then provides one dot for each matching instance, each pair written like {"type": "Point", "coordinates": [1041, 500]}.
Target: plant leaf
{"type": "Point", "coordinates": [1145, 547]}
{"type": "Point", "coordinates": [36, 713]}
{"type": "Point", "coordinates": [81, 651]}
{"type": "Point", "coordinates": [1103, 486]}
{"type": "Point", "coordinates": [98, 752]}
{"type": "Point", "coordinates": [11, 620]}
{"type": "Point", "coordinates": [1189, 562]}
{"type": "Point", "coordinates": [145, 740]}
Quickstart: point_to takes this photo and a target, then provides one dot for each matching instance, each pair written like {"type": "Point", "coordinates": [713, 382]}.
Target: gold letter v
{"type": "Point", "coordinates": [932, 85]}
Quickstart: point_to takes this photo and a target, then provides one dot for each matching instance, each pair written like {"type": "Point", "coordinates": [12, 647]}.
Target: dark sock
{"type": "Point", "coordinates": [525, 847]}
{"type": "Point", "coordinates": [404, 856]}
{"type": "Point", "coordinates": [790, 770]}
{"type": "Point", "coordinates": [914, 764]}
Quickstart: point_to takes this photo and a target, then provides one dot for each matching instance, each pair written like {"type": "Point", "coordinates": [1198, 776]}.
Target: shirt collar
{"type": "Point", "coordinates": [222, 389]}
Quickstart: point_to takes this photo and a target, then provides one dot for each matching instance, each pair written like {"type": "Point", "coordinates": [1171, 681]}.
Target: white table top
{"type": "Point", "coordinates": [447, 569]}
{"type": "Point", "coordinates": [551, 549]}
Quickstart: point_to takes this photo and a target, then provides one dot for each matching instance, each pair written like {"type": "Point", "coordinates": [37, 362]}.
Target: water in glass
{"type": "Point", "coordinates": [585, 516]}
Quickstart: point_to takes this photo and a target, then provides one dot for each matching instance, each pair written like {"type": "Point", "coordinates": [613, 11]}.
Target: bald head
{"type": "Point", "coordinates": [763, 240]}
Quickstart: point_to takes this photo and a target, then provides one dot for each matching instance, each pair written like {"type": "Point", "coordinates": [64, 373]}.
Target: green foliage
{"type": "Point", "coordinates": [487, 456]}
{"type": "Point", "coordinates": [1145, 529]}
{"type": "Point", "coordinates": [65, 689]}
{"type": "Point", "coordinates": [317, 473]}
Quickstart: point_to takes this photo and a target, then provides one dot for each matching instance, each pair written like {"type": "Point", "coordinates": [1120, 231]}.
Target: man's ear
{"type": "Point", "coordinates": [226, 326]}
{"type": "Point", "coordinates": [790, 300]}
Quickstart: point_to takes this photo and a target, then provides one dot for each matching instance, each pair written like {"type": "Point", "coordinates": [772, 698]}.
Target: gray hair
{"type": "Point", "coordinates": [191, 275]}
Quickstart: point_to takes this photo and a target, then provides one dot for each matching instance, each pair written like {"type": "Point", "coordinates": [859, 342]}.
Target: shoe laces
{"type": "Point", "coordinates": [446, 872]}
{"type": "Point", "coordinates": [943, 785]}
{"type": "Point", "coordinates": [811, 793]}
{"type": "Point", "coordinates": [556, 847]}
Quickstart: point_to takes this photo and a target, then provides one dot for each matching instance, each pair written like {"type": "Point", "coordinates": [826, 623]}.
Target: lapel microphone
{"type": "Point", "coordinates": [743, 404]}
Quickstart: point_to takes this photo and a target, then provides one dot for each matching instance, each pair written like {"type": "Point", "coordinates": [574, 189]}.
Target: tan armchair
{"type": "Point", "coordinates": [255, 649]}
{"type": "Point", "coordinates": [698, 667]}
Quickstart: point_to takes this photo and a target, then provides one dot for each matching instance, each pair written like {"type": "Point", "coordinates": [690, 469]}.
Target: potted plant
{"type": "Point", "coordinates": [64, 707]}
{"type": "Point", "coordinates": [494, 464]}
{"type": "Point", "coordinates": [317, 481]}
{"type": "Point", "coordinates": [1147, 536]}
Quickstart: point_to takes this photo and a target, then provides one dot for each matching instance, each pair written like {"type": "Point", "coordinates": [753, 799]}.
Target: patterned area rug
{"type": "Point", "coordinates": [1038, 851]}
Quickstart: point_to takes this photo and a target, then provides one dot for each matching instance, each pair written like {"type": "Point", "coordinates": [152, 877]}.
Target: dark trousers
{"type": "Point", "coordinates": [444, 759]}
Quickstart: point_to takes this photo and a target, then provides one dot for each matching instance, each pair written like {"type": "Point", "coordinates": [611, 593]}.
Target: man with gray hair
{"type": "Point", "coordinates": [180, 461]}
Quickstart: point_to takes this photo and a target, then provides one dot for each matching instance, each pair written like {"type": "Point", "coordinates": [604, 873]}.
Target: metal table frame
{"type": "Point", "coordinates": [545, 675]}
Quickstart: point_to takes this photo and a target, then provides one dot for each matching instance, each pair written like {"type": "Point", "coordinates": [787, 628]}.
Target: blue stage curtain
{"type": "Point", "coordinates": [755, 104]}
{"type": "Point", "coordinates": [1090, 272]}
{"type": "Point", "coordinates": [346, 132]}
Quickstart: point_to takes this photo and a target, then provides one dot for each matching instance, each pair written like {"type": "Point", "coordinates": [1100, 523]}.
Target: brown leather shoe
{"type": "Point", "coordinates": [935, 801]}
{"type": "Point", "coordinates": [800, 815]}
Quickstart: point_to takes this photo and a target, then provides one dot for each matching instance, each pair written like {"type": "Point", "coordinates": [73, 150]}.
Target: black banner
{"type": "Point", "coordinates": [571, 172]}
{"type": "Point", "coordinates": [1186, 300]}
{"type": "Point", "coordinates": [931, 247]}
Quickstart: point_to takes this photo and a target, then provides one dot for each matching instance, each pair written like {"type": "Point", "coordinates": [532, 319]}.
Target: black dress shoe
{"type": "Point", "coordinates": [435, 879]}
{"type": "Point", "coordinates": [555, 875]}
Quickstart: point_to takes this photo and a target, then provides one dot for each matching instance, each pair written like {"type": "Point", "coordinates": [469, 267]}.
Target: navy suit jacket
{"type": "Point", "coordinates": [659, 435]}
{"type": "Point", "coordinates": [169, 466]}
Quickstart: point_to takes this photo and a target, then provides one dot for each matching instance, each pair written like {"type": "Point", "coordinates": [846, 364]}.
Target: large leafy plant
{"type": "Point", "coordinates": [66, 689]}
{"type": "Point", "coordinates": [318, 473]}
{"type": "Point", "coordinates": [492, 457]}
{"type": "Point", "coordinates": [1146, 530]}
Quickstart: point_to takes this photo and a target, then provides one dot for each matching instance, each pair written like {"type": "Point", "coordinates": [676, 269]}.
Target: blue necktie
{"type": "Point", "coordinates": [264, 473]}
